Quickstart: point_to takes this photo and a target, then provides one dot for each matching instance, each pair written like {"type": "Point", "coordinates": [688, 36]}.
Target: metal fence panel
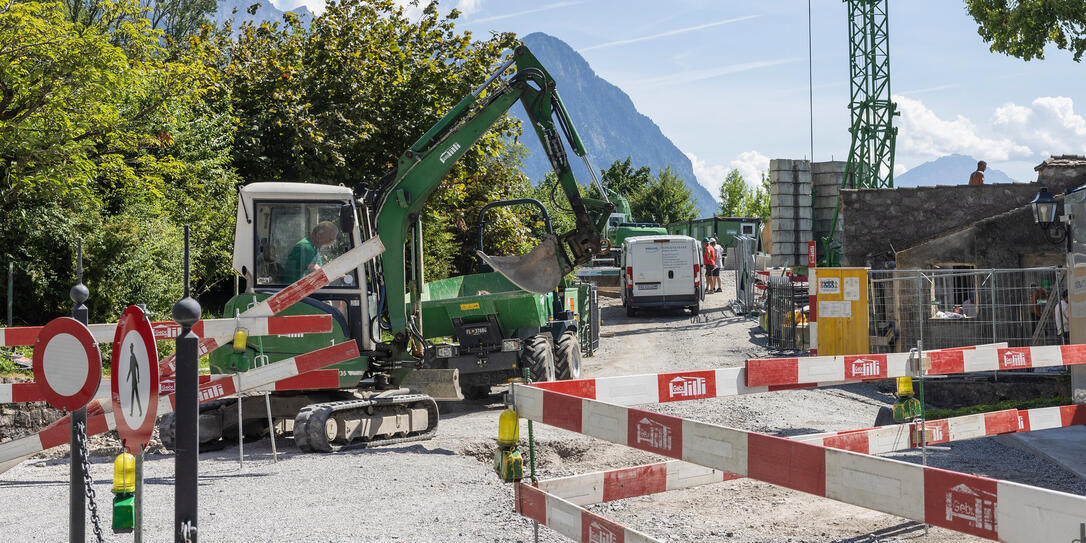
{"type": "Point", "coordinates": [787, 313]}
{"type": "Point", "coordinates": [956, 307]}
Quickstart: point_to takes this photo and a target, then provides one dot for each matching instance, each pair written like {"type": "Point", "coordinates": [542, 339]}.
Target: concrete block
{"type": "Point", "coordinates": [781, 224]}
{"type": "Point", "coordinates": [794, 212]}
{"type": "Point", "coordinates": [832, 166]}
{"type": "Point", "coordinates": [779, 200]}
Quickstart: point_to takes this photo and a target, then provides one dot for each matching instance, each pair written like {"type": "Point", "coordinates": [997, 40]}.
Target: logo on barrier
{"type": "Point", "coordinates": [1081, 534]}
{"type": "Point", "coordinates": [211, 393]}
{"type": "Point", "coordinates": [686, 387]}
{"type": "Point", "coordinates": [689, 385]}
{"type": "Point", "coordinates": [600, 534]}
{"type": "Point", "coordinates": [1014, 359]}
{"type": "Point", "coordinates": [165, 330]}
{"type": "Point", "coordinates": [937, 433]}
{"type": "Point", "coordinates": [976, 507]}
{"type": "Point", "coordinates": [865, 367]}
{"type": "Point", "coordinates": [654, 434]}
{"type": "Point", "coordinates": [1023, 425]}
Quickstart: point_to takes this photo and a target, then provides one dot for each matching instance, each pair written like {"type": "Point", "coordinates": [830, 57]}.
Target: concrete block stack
{"type": "Point", "coordinates": [826, 178]}
{"type": "Point", "coordinates": [790, 210]}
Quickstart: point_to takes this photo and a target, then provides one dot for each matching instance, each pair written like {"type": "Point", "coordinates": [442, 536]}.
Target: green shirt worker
{"type": "Point", "coordinates": [304, 258]}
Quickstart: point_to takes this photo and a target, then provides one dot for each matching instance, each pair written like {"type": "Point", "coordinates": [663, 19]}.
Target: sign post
{"type": "Point", "coordinates": [134, 389]}
{"type": "Point", "coordinates": [186, 312]}
{"type": "Point", "coordinates": [68, 367]}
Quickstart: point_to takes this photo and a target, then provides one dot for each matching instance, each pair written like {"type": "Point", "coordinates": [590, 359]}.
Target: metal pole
{"type": "Point", "coordinates": [271, 427]}
{"type": "Point", "coordinates": [186, 312]}
{"type": "Point", "coordinates": [138, 516]}
{"type": "Point", "coordinates": [77, 503]}
{"type": "Point", "coordinates": [11, 292]}
{"type": "Point", "coordinates": [993, 276]}
{"type": "Point", "coordinates": [241, 437]}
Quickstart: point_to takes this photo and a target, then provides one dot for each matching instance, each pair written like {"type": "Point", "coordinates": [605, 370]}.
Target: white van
{"type": "Point", "coordinates": [662, 272]}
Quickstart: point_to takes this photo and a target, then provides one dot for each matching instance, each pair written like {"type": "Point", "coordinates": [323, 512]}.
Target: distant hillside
{"type": "Point", "coordinates": [266, 12]}
{"type": "Point", "coordinates": [609, 124]}
{"type": "Point", "coordinates": [947, 170]}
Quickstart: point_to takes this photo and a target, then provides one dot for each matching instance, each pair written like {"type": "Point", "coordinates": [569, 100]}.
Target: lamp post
{"type": "Point", "coordinates": [1071, 227]}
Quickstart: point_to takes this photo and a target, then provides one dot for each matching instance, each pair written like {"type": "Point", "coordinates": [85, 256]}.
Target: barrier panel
{"type": "Point", "coordinates": [989, 508]}
{"type": "Point", "coordinates": [571, 520]}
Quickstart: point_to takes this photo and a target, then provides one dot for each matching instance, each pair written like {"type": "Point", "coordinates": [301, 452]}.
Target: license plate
{"type": "Point", "coordinates": [648, 286]}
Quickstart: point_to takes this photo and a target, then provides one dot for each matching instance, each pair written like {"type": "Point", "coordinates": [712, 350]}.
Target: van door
{"type": "Point", "coordinates": [648, 271]}
{"type": "Point", "coordinates": [678, 263]}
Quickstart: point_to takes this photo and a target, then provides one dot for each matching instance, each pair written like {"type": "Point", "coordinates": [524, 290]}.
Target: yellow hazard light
{"type": "Point", "coordinates": [508, 428]}
{"type": "Point", "coordinates": [904, 386]}
{"type": "Point", "coordinates": [124, 473]}
{"type": "Point", "coordinates": [241, 340]}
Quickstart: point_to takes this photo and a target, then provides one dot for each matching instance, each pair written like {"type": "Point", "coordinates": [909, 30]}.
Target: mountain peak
{"type": "Point", "coordinates": [609, 124]}
{"type": "Point", "coordinates": [951, 169]}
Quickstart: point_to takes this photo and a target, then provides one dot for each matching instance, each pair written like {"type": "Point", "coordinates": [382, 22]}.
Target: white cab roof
{"type": "Point", "coordinates": [295, 191]}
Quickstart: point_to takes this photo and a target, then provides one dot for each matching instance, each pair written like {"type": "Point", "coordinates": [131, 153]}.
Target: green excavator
{"type": "Point", "coordinates": [284, 229]}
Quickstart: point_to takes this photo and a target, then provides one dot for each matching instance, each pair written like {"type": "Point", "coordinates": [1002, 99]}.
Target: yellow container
{"type": "Point", "coordinates": [904, 386]}
{"type": "Point", "coordinates": [508, 428]}
{"type": "Point", "coordinates": [124, 473]}
{"type": "Point", "coordinates": [241, 339]}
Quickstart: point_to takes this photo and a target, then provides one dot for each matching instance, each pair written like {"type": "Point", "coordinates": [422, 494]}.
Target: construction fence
{"type": "Point", "coordinates": [956, 307]}
{"type": "Point", "coordinates": [787, 314]}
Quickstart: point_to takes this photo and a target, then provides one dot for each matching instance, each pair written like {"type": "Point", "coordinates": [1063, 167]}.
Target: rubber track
{"type": "Point", "coordinates": [309, 431]}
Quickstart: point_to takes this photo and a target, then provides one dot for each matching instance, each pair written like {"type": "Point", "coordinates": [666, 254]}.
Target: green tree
{"type": "Point", "coordinates": [734, 195]}
{"type": "Point", "coordinates": [666, 199]}
{"type": "Point", "coordinates": [623, 178]}
{"type": "Point", "coordinates": [1022, 28]}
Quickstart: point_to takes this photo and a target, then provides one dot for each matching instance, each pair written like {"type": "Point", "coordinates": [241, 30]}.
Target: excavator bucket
{"type": "Point", "coordinates": [539, 271]}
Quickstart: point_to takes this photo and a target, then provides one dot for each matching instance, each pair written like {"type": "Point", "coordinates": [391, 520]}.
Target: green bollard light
{"type": "Point", "coordinates": [124, 493]}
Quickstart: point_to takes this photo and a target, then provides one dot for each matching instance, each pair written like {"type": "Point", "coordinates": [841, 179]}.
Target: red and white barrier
{"type": "Point", "coordinates": [650, 388]}
{"type": "Point", "coordinates": [805, 371]}
{"type": "Point", "coordinates": [165, 330]}
{"type": "Point", "coordinates": [269, 307]}
{"type": "Point", "coordinates": [571, 520]}
{"type": "Point", "coordinates": [99, 412]}
{"type": "Point", "coordinates": [985, 507]}
{"type": "Point", "coordinates": [257, 326]}
{"type": "Point", "coordinates": [617, 484]}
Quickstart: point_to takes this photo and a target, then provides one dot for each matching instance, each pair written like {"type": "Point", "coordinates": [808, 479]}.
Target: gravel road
{"type": "Point", "coordinates": [443, 490]}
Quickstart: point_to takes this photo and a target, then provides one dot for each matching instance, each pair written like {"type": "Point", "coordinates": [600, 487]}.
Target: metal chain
{"type": "Point", "coordinates": [81, 437]}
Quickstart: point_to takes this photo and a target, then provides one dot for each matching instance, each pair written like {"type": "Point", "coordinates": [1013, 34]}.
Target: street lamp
{"type": "Point", "coordinates": [1044, 214]}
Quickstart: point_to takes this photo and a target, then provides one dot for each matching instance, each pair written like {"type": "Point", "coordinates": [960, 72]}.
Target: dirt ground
{"type": "Point", "coordinates": [444, 489]}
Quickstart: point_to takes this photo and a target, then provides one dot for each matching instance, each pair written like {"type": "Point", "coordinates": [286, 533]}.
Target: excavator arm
{"type": "Point", "coordinates": [421, 169]}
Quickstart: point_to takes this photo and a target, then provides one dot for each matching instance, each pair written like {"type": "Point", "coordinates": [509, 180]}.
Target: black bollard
{"type": "Point", "coordinates": [77, 503]}
{"type": "Point", "coordinates": [186, 312]}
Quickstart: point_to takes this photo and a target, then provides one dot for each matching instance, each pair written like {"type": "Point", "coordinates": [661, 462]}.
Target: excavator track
{"type": "Point", "coordinates": [332, 426]}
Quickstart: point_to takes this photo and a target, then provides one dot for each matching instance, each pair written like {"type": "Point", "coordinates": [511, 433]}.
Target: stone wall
{"type": "Point", "coordinates": [1008, 240]}
{"type": "Point", "coordinates": [21, 419]}
{"type": "Point", "coordinates": [790, 211]}
{"type": "Point", "coordinates": [880, 221]}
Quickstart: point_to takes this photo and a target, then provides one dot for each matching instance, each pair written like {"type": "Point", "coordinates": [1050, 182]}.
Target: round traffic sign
{"type": "Point", "coordinates": [67, 365]}
{"type": "Point", "coordinates": [134, 382]}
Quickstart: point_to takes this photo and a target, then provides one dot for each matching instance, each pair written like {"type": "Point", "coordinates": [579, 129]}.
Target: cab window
{"type": "Point", "coordinates": [295, 238]}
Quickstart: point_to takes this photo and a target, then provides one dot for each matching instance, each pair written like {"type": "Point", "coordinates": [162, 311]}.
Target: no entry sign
{"type": "Point", "coordinates": [134, 383]}
{"type": "Point", "coordinates": [67, 365]}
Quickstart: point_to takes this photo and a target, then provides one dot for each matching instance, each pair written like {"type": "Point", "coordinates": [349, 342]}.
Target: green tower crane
{"type": "Point", "coordinates": [871, 153]}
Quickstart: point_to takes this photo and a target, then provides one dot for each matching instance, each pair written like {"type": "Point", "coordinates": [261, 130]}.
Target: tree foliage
{"type": "Point", "coordinates": [1022, 28]}
{"type": "Point", "coordinates": [107, 134]}
{"type": "Point", "coordinates": [737, 199]}
{"type": "Point", "coordinates": [664, 200]}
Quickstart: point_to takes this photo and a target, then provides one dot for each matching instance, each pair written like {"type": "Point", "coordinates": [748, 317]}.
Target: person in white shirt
{"type": "Point", "coordinates": [719, 263]}
{"type": "Point", "coordinates": [1063, 319]}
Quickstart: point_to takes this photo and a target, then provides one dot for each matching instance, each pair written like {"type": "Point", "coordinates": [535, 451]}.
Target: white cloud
{"type": "Point", "coordinates": [467, 7]}
{"type": "Point", "coordinates": [750, 164]}
{"type": "Point", "coordinates": [668, 33]}
{"type": "Point", "coordinates": [1047, 126]}
{"type": "Point", "coordinates": [924, 134]}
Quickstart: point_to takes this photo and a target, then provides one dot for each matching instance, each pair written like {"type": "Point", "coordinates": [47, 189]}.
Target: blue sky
{"type": "Point", "coordinates": [727, 81]}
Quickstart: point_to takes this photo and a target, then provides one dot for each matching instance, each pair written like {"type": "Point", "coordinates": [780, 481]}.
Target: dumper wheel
{"type": "Point", "coordinates": [567, 356]}
{"type": "Point", "coordinates": [538, 357]}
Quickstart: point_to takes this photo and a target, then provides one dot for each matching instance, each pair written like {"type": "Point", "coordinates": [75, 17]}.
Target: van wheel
{"type": "Point", "coordinates": [630, 311]}
{"type": "Point", "coordinates": [567, 356]}
{"type": "Point", "coordinates": [694, 309]}
{"type": "Point", "coordinates": [538, 357]}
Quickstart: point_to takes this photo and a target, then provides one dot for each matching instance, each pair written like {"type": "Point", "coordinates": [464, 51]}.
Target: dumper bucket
{"type": "Point", "coordinates": [539, 271]}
